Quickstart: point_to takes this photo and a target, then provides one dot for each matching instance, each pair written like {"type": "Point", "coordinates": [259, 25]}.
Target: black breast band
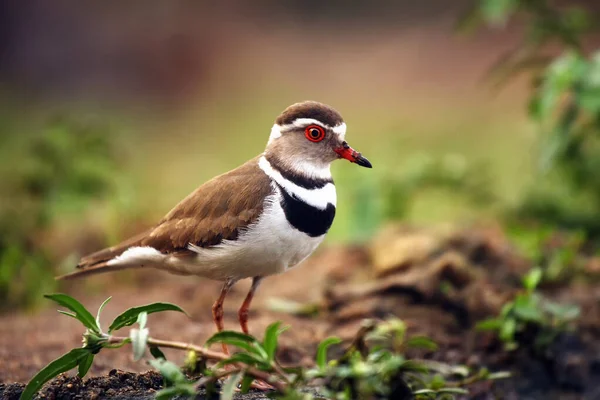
{"type": "Point", "coordinates": [304, 217]}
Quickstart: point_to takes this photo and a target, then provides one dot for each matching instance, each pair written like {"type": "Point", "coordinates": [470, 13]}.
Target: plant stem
{"type": "Point", "coordinates": [208, 354]}
{"type": "Point", "coordinates": [279, 369]}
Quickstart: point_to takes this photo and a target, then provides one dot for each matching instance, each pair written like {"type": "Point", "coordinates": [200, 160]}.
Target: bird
{"type": "Point", "coordinates": [259, 219]}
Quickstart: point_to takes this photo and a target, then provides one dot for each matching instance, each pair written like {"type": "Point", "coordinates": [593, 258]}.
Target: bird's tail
{"type": "Point", "coordinates": [93, 270]}
{"type": "Point", "coordinates": [99, 262]}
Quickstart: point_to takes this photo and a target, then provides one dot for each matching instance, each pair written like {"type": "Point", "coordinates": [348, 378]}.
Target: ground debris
{"type": "Point", "coordinates": [439, 282]}
{"type": "Point", "coordinates": [116, 385]}
{"type": "Point", "coordinates": [449, 271]}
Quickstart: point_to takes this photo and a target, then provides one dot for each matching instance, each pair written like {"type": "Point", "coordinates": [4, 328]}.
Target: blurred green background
{"type": "Point", "coordinates": [111, 113]}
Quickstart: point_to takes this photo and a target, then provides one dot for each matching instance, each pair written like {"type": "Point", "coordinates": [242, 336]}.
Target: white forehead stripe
{"type": "Point", "coordinates": [340, 130]}
{"type": "Point", "coordinates": [302, 122]}
{"type": "Point", "coordinates": [318, 198]}
{"type": "Point", "coordinates": [275, 133]}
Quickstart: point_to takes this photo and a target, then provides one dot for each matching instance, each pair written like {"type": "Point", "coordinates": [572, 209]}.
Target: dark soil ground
{"type": "Point", "coordinates": [401, 273]}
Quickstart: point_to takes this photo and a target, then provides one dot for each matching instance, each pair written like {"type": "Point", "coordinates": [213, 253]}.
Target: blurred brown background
{"type": "Point", "coordinates": [111, 112]}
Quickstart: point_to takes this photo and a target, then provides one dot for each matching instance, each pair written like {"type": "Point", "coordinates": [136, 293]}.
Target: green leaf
{"type": "Point", "coordinates": [589, 95]}
{"type": "Point", "coordinates": [169, 371]}
{"type": "Point", "coordinates": [230, 385]}
{"type": "Point", "coordinates": [241, 340]}
{"type": "Point", "coordinates": [422, 342]}
{"type": "Point", "coordinates": [130, 316]}
{"type": "Point", "coordinates": [423, 391]}
{"type": "Point", "coordinates": [322, 350]}
{"type": "Point", "coordinates": [70, 314]}
{"type": "Point", "coordinates": [532, 279]}
{"type": "Point", "coordinates": [414, 366]}
{"type": "Point", "coordinates": [81, 313]}
{"type": "Point", "coordinates": [451, 390]}
{"type": "Point", "coordinates": [224, 336]}
{"type": "Point", "coordinates": [437, 382]}
{"type": "Point", "coordinates": [85, 364]}
{"type": "Point", "coordinates": [244, 358]}
{"type": "Point", "coordinates": [490, 324]}
{"type": "Point", "coordinates": [58, 366]}
{"type": "Point", "coordinates": [528, 310]}
{"type": "Point", "coordinates": [506, 309]}
{"type": "Point", "coordinates": [182, 389]}
{"type": "Point", "coordinates": [508, 329]}
{"type": "Point", "coordinates": [100, 311]}
{"type": "Point", "coordinates": [157, 353]}
{"type": "Point", "coordinates": [499, 375]}
{"type": "Point", "coordinates": [242, 345]}
{"type": "Point", "coordinates": [246, 383]}
{"type": "Point", "coordinates": [564, 312]}
{"type": "Point", "coordinates": [271, 337]}
{"type": "Point", "coordinates": [496, 12]}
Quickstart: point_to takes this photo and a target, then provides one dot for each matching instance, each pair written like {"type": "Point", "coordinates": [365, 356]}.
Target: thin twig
{"type": "Point", "coordinates": [210, 355]}
{"type": "Point", "coordinates": [279, 369]}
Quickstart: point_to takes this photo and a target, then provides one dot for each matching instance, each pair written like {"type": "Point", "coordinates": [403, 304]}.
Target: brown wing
{"type": "Point", "coordinates": [217, 210]}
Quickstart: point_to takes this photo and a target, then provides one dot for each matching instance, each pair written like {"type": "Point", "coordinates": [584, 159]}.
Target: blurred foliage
{"type": "Point", "coordinates": [531, 319]}
{"type": "Point", "coordinates": [561, 255]}
{"type": "Point", "coordinates": [391, 195]}
{"type": "Point", "coordinates": [565, 103]}
{"type": "Point", "coordinates": [63, 168]}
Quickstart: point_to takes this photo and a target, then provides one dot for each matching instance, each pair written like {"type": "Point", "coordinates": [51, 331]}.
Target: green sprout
{"type": "Point", "coordinates": [94, 339]}
{"type": "Point", "coordinates": [528, 312]}
{"type": "Point", "coordinates": [373, 364]}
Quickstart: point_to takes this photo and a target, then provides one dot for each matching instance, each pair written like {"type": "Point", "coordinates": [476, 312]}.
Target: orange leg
{"type": "Point", "coordinates": [217, 309]}
{"type": "Point", "coordinates": [243, 313]}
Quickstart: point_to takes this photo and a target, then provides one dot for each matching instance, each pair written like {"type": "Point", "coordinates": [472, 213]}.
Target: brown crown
{"type": "Point", "coordinates": [310, 109]}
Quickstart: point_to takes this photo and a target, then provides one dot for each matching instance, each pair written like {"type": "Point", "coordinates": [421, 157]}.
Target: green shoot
{"type": "Point", "coordinates": [372, 365]}
{"type": "Point", "coordinates": [530, 311]}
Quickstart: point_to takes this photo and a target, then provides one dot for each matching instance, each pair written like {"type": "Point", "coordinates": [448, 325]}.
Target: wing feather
{"type": "Point", "coordinates": [217, 210]}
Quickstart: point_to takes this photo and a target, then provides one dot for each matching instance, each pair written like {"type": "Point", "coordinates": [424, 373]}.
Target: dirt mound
{"type": "Point", "coordinates": [439, 282]}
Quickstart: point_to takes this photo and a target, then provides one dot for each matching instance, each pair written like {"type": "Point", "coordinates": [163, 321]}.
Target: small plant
{"type": "Point", "coordinates": [559, 253]}
{"type": "Point", "coordinates": [530, 318]}
{"type": "Point", "coordinates": [94, 338]}
{"type": "Point", "coordinates": [372, 366]}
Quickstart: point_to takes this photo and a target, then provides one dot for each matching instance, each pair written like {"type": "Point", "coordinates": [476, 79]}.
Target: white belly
{"type": "Point", "coordinates": [268, 247]}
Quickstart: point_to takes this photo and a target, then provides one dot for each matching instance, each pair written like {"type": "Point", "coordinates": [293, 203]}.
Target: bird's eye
{"type": "Point", "coordinates": [314, 133]}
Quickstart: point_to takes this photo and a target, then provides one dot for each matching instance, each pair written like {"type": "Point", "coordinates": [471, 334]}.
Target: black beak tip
{"type": "Point", "coordinates": [363, 162]}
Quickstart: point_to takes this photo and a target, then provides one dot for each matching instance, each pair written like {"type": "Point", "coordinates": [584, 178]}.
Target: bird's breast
{"type": "Point", "coordinates": [309, 219]}
{"type": "Point", "coordinates": [290, 230]}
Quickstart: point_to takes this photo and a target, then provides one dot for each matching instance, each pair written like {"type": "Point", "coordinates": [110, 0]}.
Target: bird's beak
{"type": "Point", "coordinates": [352, 155]}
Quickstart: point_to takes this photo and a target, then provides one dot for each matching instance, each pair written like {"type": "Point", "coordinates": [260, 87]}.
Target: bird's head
{"type": "Point", "coordinates": [307, 137]}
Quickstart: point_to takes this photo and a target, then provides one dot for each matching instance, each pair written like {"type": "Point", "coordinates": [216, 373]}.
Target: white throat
{"type": "Point", "coordinates": [318, 198]}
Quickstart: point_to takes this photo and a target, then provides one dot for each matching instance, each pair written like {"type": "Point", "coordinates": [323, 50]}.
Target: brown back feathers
{"type": "Point", "coordinates": [217, 210]}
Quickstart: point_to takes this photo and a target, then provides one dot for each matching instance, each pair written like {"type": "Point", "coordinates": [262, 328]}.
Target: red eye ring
{"type": "Point", "coordinates": [314, 133]}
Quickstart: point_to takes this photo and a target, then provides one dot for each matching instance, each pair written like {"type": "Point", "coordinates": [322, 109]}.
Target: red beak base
{"type": "Point", "coordinates": [352, 155]}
